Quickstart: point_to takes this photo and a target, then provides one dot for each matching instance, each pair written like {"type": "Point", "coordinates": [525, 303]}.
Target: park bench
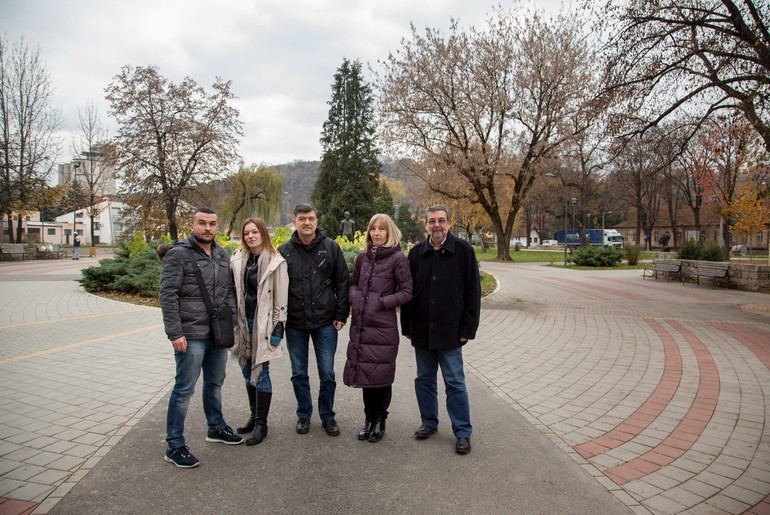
{"type": "Point", "coordinates": [715, 270]}
{"type": "Point", "coordinates": [49, 251]}
{"type": "Point", "coordinates": [668, 268]}
{"type": "Point", "coordinates": [12, 251]}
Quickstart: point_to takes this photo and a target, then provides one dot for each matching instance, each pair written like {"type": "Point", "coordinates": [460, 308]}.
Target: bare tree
{"type": "Point", "coordinates": [490, 107]}
{"type": "Point", "coordinates": [702, 55]}
{"type": "Point", "coordinates": [94, 158]}
{"type": "Point", "coordinates": [637, 171]}
{"type": "Point", "coordinates": [172, 137]}
{"type": "Point", "coordinates": [28, 124]}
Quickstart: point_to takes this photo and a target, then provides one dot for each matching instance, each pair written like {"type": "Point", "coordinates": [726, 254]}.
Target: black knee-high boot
{"type": "Point", "coordinates": [260, 426]}
{"type": "Point", "coordinates": [249, 425]}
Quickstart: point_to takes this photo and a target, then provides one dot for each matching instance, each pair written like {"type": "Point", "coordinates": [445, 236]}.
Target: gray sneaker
{"type": "Point", "coordinates": [225, 436]}
{"type": "Point", "coordinates": [181, 457]}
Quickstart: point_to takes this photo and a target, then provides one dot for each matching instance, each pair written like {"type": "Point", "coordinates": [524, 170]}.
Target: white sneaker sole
{"type": "Point", "coordinates": [216, 440]}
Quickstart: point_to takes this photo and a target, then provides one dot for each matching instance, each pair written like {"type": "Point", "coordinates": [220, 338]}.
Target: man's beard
{"type": "Point", "coordinates": [201, 239]}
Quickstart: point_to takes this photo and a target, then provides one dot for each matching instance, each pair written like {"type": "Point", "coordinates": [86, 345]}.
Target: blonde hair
{"type": "Point", "coordinates": [394, 234]}
{"type": "Point", "coordinates": [262, 228]}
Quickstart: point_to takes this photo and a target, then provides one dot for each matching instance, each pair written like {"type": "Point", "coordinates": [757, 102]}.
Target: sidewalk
{"type": "Point", "coordinates": [591, 392]}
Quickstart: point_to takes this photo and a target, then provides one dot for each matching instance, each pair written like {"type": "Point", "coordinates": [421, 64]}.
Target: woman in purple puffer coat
{"type": "Point", "coordinates": [381, 282]}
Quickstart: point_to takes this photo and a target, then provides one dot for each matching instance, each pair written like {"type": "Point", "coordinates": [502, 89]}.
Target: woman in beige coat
{"type": "Point", "coordinates": [261, 289]}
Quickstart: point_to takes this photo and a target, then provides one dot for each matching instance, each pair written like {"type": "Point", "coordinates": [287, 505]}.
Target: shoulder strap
{"type": "Point", "coordinates": [201, 282]}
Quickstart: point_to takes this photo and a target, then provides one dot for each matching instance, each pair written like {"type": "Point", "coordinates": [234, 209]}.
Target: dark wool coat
{"type": "Point", "coordinates": [446, 301]}
{"type": "Point", "coordinates": [381, 282]}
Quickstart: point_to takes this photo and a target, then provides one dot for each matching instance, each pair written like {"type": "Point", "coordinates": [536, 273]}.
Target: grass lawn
{"type": "Point", "coordinates": [554, 258]}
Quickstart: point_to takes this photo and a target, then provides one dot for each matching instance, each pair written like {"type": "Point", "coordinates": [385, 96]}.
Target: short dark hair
{"type": "Point", "coordinates": [437, 207]}
{"type": "Point", "coordinates": [305, 208]}
{"type": "Point", "coordinates": [206, 210]}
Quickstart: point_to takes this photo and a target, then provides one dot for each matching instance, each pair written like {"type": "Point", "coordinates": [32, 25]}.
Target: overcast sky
{"type": "Point", "coordinates": [280, 55]}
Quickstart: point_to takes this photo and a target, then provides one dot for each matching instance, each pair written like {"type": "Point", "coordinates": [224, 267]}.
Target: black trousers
{"type": "Point", "coordinates": [376, 402]}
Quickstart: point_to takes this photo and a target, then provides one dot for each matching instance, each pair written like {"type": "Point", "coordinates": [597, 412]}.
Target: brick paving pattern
{"type": "Point", "coordinates": [660, 389]}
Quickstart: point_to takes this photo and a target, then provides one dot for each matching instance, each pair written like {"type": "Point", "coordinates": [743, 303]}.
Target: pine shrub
{"type": "Point", "coordinates": [712, 251]}
{"type": "Point", "coordinates": [692, 250]}
{"type": "Point", "coordinates": [137, 273]}
{"type": "Point", "coordinates": [597, 256]}
{"type": "Point", "coordinates": [632, 254]}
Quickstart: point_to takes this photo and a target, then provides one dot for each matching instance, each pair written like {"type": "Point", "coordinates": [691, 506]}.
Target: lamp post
{"type": "Point", "coordinates": [573, 201]}
{"type": "Point", "coordinates": [564, 192]}
{"type": "Point", "coordinates": [604, 213]}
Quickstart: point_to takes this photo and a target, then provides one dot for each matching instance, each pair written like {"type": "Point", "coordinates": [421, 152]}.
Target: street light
{"type": "Point", "coordinates": [573, 201]}
{"type": "Point", "coordinates": [564, 193]}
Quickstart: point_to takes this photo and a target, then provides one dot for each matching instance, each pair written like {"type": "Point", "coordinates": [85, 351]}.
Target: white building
{"type": "Point", "coordinates": [107, 223]}
{"type": "Point", "coordinates": [90, 171]}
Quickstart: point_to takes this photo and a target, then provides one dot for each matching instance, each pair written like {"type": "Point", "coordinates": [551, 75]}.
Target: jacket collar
{"type": "Point", "coordinates": [447, 246]}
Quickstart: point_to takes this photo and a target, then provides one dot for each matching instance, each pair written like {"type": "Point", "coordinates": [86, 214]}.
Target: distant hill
{"type": "Point", "coordinates": [301, 177]}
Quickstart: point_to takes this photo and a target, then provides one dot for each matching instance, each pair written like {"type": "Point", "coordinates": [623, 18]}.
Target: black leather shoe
{"type": "Point", "coordinates": [366, 430]}
{"type": "Point", "coordinates": [424, 432]}
{"type": "Point", "coordinates": [303, 426]}
{"type": "Point", "coordinates": [332, 429]}
{"type": "Point", "coordinates": [463, 446]}
{"type": "Point", "coordinates": [378, 431]}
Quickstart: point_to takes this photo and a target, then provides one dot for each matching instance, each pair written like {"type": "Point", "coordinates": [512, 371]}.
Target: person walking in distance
{"type": "Point", "coordinates": [187, 324]}
{"type": "Point", "coordinates": [261, 290]}
{"type": "Point", "coordinates": [318, 309]}
{"type": "Point", "coordinates": [440, 319]}
{"type": "Point", "coordinates": [76, 246]}
{"type": "Point", "coordinates": [381, 282]}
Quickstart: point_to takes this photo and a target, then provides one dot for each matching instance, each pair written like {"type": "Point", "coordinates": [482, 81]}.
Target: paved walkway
{"type": "Point", "coordinates": [592, 392]}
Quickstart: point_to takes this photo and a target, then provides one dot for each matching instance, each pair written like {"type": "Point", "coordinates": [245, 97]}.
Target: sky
{"type": "Point", "coordinates": [280, 55]}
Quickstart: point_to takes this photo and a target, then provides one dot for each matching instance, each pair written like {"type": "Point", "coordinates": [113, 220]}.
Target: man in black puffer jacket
{"type": "Point", "coordinates": [318, 309]}
{"type": "Point", "coordinates": [188, 325]}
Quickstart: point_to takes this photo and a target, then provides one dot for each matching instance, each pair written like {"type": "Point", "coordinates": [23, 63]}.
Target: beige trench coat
{"type": "Point", "coordinates": [272, 298]}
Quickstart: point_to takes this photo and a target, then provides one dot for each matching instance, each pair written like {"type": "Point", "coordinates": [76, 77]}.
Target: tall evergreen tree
{"type": "Point", "coordinates": [348, 178]}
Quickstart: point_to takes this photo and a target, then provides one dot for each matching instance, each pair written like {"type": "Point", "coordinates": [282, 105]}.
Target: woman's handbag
{"type": "Point", "coordinates": [222, 322]}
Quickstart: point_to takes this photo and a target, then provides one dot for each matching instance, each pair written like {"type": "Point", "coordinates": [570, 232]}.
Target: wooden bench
{"type": "Point", "coordinates": [47, 251]}
{"type": "Point", "coordinates": [667, 267]}
{"type": "Point", "coordinates": [715, 270]}
{"type": "Point", "coordinates": [12, 251]}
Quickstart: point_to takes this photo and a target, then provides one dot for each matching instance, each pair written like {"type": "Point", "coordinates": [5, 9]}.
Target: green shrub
{"type": "Point", "coordinates": [597, 256]}
{"type": "Point", "coordinates": [713, 252]}
{"type": "Point", "coordinates": [632, 254]}
{"type": "Point", "coordinates": [692, 249]}
{"type": "Point", "coordinates": [137, 272]}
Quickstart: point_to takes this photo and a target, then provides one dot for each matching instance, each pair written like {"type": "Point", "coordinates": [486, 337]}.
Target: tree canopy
{"type": "Point", "coordinates": [484, 112]}
{"type": "Point", "coordinates": [700, 56]}
{"type": "Point", "coordinates": [171, 137]}
{"type": "Point", "coordinates": [348, 179]}
{"type": "Point", "coordinates": [29, 122]}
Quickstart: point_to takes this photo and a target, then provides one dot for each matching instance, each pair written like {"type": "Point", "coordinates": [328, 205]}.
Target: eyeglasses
{"type": "Point", "coordinates": [440, 221]}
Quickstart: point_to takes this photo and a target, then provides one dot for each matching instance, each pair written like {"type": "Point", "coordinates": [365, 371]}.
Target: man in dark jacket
{"type": "Point", "coordinates": [187, 323]}
{"type": "Point", "coordinates": [441, 317]}
{"type": "Point", "coordinates": [318, 309]}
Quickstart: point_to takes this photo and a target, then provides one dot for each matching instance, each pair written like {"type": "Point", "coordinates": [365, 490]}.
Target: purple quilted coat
{"type": "Point", "coordinates": [381, 281]}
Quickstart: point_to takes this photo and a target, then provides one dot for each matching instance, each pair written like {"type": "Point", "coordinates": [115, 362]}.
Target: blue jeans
{"type": "Point", "coordinates": [426, 388]}
{"type": "Point", "coordinates": [263, 379]}
{"type": "Point", "coordinates": [325, 345]}
{"type": "Point", "coordinates": [75, 252]}
{"type": "Point", "coordinates": [200, 355]}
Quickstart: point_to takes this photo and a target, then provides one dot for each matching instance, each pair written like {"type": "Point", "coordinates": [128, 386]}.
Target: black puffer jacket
{"type": "Point", "coordinates": [313, 303]}
{"type": "Point", "coordinates": [184, 310]}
